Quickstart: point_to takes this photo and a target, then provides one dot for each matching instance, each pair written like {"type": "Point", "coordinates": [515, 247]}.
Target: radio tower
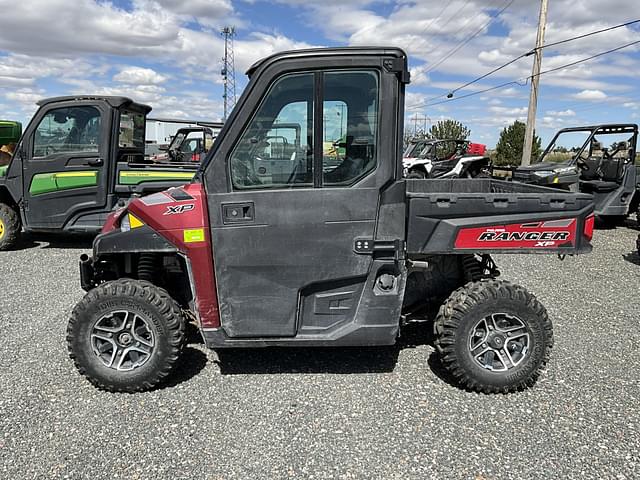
{"type": "Point", "coordinates": [228, 71]}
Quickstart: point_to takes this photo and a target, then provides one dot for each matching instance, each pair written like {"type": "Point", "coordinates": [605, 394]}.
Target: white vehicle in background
{"type": "Point", "coordinates": [445, 159]}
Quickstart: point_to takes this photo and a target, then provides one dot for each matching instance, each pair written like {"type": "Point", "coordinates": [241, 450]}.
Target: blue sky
{"type": "Point", "coordinates": [167, 53]}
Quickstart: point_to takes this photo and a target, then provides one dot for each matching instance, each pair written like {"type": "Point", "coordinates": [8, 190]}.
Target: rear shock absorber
{"type": "Point", "coordinates": [477, 267]}
{"type": "Point", "coordinates": [472, 268]}
{"type": "Point", "coordinates": [147, 266]}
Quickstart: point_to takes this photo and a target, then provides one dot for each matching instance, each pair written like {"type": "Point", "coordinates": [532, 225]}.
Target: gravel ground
{"type": "Point", "coordinates": [329, 413]}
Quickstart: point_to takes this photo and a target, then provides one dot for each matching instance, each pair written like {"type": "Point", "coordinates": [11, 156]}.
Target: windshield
{"type": "Point", "coordinates": [176, 141]}
{"type": "Point", "coordinates": [414, 148]}
{"type": "Point", "coordinates": [565, 146]}
{"type": "Point", "coordinates": [574, 145]}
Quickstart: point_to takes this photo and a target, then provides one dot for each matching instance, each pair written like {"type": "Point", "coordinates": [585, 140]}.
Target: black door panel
{"type": "Point", "coordinates": [262, 267]}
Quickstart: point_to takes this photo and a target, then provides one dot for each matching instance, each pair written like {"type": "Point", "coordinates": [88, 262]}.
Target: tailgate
{"type": "Point", "coordinates": [494, 216]}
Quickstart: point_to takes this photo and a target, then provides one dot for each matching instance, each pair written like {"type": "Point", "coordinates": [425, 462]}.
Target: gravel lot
{"type": "Point", "coordinates": [329, 413]}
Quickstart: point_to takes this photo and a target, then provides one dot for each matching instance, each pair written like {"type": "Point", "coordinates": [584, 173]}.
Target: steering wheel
{"type": "Point", "coordinates": [582, 165]}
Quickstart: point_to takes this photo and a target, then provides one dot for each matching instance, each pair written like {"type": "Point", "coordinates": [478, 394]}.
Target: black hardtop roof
{"type": "Point", "coordinates": [195, 129]}
{"type": "Point", "coordinates": [113, 101]}
{"type": "Point", "coordinates": [337, 51]}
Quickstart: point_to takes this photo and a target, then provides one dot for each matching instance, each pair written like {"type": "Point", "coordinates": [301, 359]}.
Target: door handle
{"type": "Point", "coordinates": [95, 162]}
{"type": "Point", "coordinates": [237, 212]}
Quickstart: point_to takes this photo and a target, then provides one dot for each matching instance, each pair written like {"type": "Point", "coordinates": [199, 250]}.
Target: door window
{"type": "Point", "coordinates": [132, 126]}
{"type": "Point", "coordinates": [68, 130]}
{"type": "Point", "coordinates": [268, 155]}
{"type": "Point", "coordinates": [350, 126]}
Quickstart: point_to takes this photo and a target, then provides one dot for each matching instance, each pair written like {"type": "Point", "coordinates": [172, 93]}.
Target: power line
{"type": "Point", "coordinates": [469, 38]}
{"type": "Point", "coordinates": [428, 102]}
{"type": "Point", "coordinates": [531, 52]}
{"type": "Point", "coordinates": [587, 59]}
{"type": "Point", "coordinates": [424, 31]}
{"type": "Point", "coordinates": [571, 39]}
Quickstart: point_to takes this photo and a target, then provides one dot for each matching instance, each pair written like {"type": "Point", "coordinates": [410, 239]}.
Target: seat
{"type": "Point", "coordinates": [591, 173]}
{"type": "Point", "coordinates": [590, 186]}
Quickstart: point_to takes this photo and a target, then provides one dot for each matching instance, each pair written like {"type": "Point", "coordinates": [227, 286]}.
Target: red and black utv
{"type": "Point", "coordinates": [322, 254]}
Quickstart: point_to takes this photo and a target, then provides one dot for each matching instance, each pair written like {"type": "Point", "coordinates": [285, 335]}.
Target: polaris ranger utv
{"type": "Point", "coordinates": [599, 160]}
{"type": "Point", "coordinates": [189, 144]}
{"type": "Point", "coordinates": [447, 159]}
{"type": "Point", "coordinates": [319, 255]}
{"type": "Point", "coordinates": [78, 158]}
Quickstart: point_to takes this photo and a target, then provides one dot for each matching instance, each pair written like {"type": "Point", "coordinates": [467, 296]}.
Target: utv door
{"type": "Point", "coordinates": [65, 160]}
{"type": "Point", "coordinates": [288, 241]}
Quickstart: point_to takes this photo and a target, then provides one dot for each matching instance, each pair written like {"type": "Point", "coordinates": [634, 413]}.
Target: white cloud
{"type": "Point", "coordinates": [563, 113]}
{"type": "Point", "coordinates": [590, 95]}
{"type": "Point", "coordinates": [139, 76]}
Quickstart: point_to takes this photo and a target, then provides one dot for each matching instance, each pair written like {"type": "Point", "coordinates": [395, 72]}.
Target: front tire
{"type": "Point", "coordinates": [126, 335]}
{"type": "Point", "coordinates": [10, 227]}
{"type": "Point", "coordinates": [493, 336]}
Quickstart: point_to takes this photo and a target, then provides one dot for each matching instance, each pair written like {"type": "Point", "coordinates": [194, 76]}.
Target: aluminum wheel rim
{"type": "Point", "coordinates": [122, 340]}
{"type": "Point", "coordinates": [499, 342]}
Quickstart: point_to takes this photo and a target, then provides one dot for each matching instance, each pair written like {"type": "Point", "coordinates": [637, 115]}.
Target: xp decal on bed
{"type": "Point", "coordinates": [277, 243]}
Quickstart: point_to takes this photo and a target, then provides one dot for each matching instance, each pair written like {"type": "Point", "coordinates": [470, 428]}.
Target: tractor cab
{"type": "Point", "coordinates": [78, 158]}
{"type": "Point", "coordinates": [598, 160]}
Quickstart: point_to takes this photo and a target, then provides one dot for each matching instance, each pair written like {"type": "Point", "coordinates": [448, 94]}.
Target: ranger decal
{"type": "Point", "coordinates": [553, 233]}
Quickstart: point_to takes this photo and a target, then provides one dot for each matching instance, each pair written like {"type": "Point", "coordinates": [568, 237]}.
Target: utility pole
{"type": "Point", "coordinates": [535, 80]}
{"type": "Point", "coordinates": [228, 71]}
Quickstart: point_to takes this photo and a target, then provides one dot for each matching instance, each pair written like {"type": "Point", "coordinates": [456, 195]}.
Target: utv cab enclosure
{"type": "Point", "coordinates": [78, 158]}
{"type": "Point", "coordinates": [319, 253]}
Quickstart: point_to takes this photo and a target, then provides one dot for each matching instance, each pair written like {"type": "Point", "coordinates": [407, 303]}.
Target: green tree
{"type": "Point", "coordinates": [449, 129]}
{"type": "Point", "coordinates": [511, 143]}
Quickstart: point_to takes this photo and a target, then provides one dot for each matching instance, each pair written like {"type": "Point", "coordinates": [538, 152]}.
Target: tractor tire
{"type": "Point", "coordinates": [10, 227]}
{"type": "Point", "coordinates": [493, 336]}
{"type": "Point", "coordinates": [126, 335]}
{"type": "Point", "coordinates": [416, 173]}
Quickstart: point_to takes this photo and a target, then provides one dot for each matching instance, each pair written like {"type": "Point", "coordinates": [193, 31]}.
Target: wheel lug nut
{"type": "Point", "coordinates": [508, 334]}
{"type": "Point", "coordinates": [484, 345]}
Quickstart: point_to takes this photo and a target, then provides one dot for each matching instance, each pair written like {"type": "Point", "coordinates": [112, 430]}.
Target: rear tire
{"type": "Point", "coordinates": [10, 227]}
{"type": "Point", "coordinates": [126, 335]}
{"type": "Point", "coordinates": [493, 336]}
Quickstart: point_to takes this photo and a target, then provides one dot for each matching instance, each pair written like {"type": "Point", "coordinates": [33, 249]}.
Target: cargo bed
{"type": "Point", "coordinates": [495, 216]}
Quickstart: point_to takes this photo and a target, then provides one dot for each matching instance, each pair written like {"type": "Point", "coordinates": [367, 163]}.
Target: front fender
{"type": "Point", "coordinates": [137, 240]}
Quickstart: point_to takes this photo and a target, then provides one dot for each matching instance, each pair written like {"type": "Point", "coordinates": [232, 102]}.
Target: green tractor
{"type": "Point", "coordinates": [78, 159]}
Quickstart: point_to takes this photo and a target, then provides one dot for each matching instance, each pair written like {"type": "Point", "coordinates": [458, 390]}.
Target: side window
{"type": "Point", "coordinates": [275, 150]}
{"type": "Point", "coordinates": [350, 126]}
{"type": "Point", "coordinates": [132, 127]}
{"type": "Point", "coordinates": [68, 130]}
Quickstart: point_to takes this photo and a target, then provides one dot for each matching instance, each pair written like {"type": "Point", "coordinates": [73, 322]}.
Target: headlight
{"type": "Point", "coordinates": [544, 173]}
{"type": "Point", "coordinates": [564, 170]}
